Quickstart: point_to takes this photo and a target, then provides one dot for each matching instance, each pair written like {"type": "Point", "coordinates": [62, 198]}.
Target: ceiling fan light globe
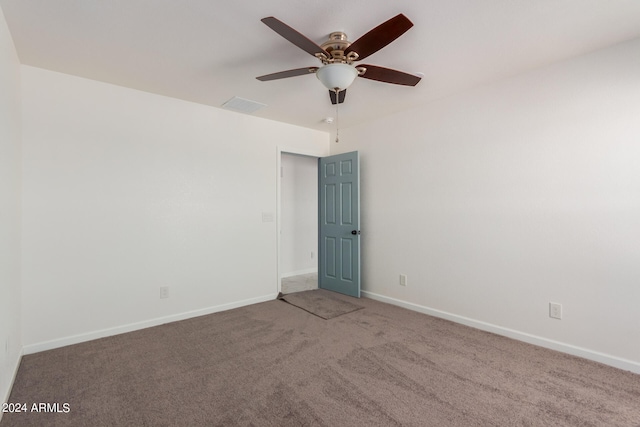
{"type": "Point", "coordinates": [337, 76]}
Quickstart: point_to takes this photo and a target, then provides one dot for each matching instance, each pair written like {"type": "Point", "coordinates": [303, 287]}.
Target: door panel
{"type": "Point", "coordinates": [339, 224]}
{"type": "Point", "coordinates": [330, 257]}
{"type": "Point", "coordinates": [330, 204]}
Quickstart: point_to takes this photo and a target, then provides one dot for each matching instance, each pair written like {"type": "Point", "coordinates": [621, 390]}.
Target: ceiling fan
{"type": "Point", "coordinates": [337, 55]}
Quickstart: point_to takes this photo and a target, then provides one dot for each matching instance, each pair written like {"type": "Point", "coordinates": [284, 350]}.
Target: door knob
{"type": "Point", "coordinates": [354, 232]}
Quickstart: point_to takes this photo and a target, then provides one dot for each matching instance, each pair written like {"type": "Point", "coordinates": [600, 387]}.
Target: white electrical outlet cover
{"type": "Point", "coordinates": [555, 310]}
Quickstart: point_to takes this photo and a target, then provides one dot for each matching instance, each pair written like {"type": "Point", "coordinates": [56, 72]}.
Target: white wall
{"type": "Point", "coordinates": [502, 199]}
{"type": "Point", "coordinates": [299, 215]}
{"type": "Point", "coordinates": [125, 192]}
{"type": "Point", "coordinates": [10, 342]}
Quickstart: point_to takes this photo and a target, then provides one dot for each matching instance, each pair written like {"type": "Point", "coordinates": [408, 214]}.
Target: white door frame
{"type": "Point", "coordinates": [306, 151]}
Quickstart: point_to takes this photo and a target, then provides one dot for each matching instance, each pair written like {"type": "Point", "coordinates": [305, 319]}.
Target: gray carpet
{"type": "Point", "coordinates": [273, 364]}
{"type": "Point", "coordinates": [322, 303]}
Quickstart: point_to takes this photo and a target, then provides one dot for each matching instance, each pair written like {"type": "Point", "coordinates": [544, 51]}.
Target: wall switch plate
{"type": "Point", "coordinates": [403, 280]}
{"type": "Point", "coordinates": [164, 292]}
{"type": "Point", "coordinates": [555, 310]}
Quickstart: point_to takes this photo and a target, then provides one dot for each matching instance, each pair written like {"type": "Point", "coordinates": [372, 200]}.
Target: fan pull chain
{"type": "Point", "coordinates": [337, 117]}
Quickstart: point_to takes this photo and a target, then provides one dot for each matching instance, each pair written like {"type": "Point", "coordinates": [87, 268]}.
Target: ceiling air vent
{"type": "Point", "coordinates": [243, 105]}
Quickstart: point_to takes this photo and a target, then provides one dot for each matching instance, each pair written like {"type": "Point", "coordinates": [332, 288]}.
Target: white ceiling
{"type": "Point", "coordinates": [208, 51]}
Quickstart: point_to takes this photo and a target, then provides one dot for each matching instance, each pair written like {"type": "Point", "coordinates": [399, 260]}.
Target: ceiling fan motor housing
{"type": "Point", "coordinates": [335, 46]}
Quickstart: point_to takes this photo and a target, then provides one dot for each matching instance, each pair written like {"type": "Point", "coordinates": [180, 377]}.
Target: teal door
{"type": "Point", "coordinates": [339, 224]}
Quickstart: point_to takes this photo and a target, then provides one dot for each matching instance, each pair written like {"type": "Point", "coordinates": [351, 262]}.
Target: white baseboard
{"type": "Point", "coordinates": [14, 373]}
{"type": "Point", "coordinates": [299, 272]}
{"type": "Point", "coordinates": [75, 339]}
{"type": "Point", "coordinates": [606, 359]}
{"type": "Point", "coordinates": [617, 362]}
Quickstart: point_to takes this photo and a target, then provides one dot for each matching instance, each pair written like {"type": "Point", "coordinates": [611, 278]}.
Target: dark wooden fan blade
{"type": "Point", "coordinates": [294, 36]}
{"type": "Point", "coordinates": [288, 73]}
{"type": "Point", "coordinates": [339, 99]}
{"type": "Point", "coordinates": [380, 36]}
{"type": "Point", "coordinates": [341, 95]}
{"type": "Point", "coordinates": [387, 75]}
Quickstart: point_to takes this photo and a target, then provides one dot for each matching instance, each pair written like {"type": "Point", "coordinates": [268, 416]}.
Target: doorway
{"type": "Point", "coordinates": [335, 264]}
{"type": "Point", "coordinates": [298, 230]}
